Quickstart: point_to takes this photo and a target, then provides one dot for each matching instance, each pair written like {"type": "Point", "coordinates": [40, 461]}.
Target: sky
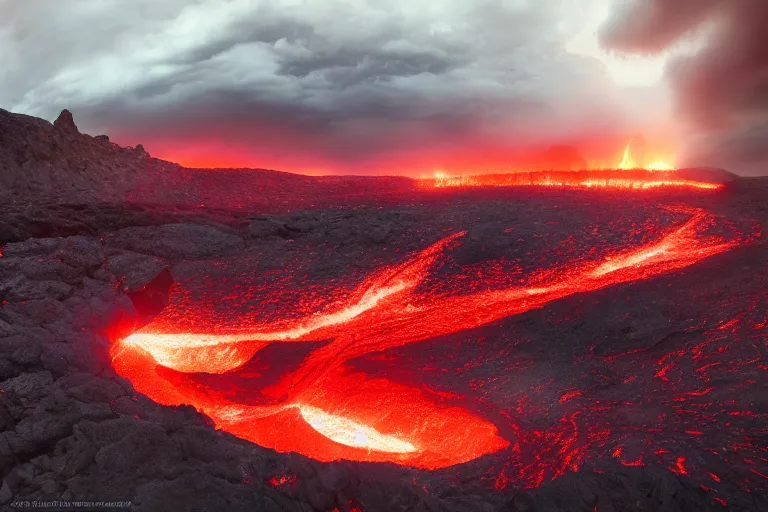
{"type": "Point", "coordinates": [399, 86]}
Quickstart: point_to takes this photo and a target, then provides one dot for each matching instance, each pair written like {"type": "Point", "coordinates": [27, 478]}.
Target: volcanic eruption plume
{"type": "Point", "coordinates": [720, 86]}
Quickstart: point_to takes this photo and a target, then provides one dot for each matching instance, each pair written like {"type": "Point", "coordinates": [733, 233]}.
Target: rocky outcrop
{"type": "Point", "coordinates": [38, 158]}
{"type": "Point", "coordinates": [66, 123]}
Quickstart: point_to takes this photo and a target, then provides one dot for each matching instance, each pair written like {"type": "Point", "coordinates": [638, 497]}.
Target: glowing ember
{"type": "Point", "coordinates": [326, 411]}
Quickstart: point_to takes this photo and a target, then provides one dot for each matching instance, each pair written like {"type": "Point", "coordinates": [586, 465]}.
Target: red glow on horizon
{"type": "Point", "coordinates": [617, 180]}
{"type": "Point", "coordinates": [325, 411]}
{"type": "Point", "coordinates": [309, 154]}
{"type": "Point", "coordinates": [223, 157]}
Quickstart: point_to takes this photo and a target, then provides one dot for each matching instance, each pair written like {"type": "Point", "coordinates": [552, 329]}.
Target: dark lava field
{"type": "Point", "coordinates": [366, 344]}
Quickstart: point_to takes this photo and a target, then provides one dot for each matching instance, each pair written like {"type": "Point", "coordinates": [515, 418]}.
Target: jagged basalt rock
{"type": "Point", "coordinates": [40, 159]}
{"type": "Point", "coordinates": [150, 299]}
{"type": "Point", "coordinates": [66, 123]}
{"type": "Point", "coordinates": [177, 241]}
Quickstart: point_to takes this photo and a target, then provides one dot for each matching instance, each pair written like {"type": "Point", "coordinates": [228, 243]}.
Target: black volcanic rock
{"type": "Point", "coordinates": [707, 174]}
{"type": "Point", "coordinates": [150, 299]}
{"type": "Point", "coordinates": [177, 241]}
{"type": "Point", "coordinates": [66, 123]}
{"type": "Point", "coordinates": [75, 430]}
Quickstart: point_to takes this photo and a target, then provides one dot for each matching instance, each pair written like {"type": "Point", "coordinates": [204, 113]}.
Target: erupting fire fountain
{"type": "Point", "coordinates": [628, 162]}
{"type": "Point", "coordinates": [628, 175]}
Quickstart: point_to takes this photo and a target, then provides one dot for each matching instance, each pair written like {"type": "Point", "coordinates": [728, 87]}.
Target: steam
{"type": "Point", "coordinates": [721, 88]}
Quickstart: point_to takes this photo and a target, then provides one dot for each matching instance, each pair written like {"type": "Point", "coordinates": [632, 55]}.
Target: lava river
{"type": "Point", "coordinates": [327, 410]}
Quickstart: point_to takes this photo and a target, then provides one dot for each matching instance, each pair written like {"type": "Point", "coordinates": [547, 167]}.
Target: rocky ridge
{"type": "Point", "coordinates": [41, 158]}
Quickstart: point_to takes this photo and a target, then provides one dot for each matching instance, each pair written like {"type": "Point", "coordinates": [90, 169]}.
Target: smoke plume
{"type": "Point", "coordinates": [721, 87]}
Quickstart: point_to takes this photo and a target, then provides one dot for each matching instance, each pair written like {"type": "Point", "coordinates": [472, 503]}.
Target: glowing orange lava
{"type": "Point", "coordinates": [326, 411]}
{"type": "Point", "coordinates": [627, 175]}
{"type": "Point", "coordinates": [660, 165]}
{"type": "Point", "coordinates": [636, 179]}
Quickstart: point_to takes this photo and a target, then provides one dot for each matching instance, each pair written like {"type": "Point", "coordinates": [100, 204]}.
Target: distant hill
{"type": "Point", "coordinates": [39, 158]}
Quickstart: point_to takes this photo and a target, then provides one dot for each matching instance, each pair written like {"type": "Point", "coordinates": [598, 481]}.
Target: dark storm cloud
{"type": "Point", "coordinates": [722, 88]}
{"type": "Point", "coordinates": [367, 125]}
{"type": "Point", "coordinates": [299, 51]}
{"type": "Point", "coordinates": [347, 67]}
{"type": "Point", "coordinates": [345, 79]}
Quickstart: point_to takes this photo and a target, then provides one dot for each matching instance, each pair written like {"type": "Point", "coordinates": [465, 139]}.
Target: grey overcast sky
{"type": "Point", "coordinates": [397, 86]}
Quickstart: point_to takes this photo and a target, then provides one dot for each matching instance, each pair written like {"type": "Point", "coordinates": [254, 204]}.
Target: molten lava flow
{"type": "Point", "coordinates": [347, 432]}
{"type": "Point", "coordinates": [193, 352]}
{"type": "Point", "coordinates": [325, 410]}
{"type": "Point", "coordinates": [635, 179]}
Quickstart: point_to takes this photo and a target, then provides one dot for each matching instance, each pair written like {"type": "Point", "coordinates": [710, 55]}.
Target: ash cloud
{"type": "Point", "coordinates": [721, 89]}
